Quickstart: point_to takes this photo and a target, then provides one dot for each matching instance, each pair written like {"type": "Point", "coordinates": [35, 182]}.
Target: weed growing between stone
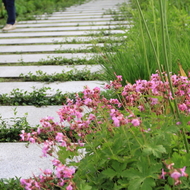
{"type": "Point", "coordinates": [73, 75]}
{"type": "Point", "coordinates": [132, 142]}
{"type": "Point", "coordinates": [38, 97]}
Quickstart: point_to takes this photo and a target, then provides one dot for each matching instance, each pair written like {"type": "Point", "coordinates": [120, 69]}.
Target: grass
{"type": "Point", "coordinates": [142, 53]}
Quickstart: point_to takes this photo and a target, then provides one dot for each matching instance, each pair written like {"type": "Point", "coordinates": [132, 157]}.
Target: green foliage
{"type": "Point", "coordinates": [38, 97]}
{"type": "Point", "coordinates": [144, 52]}
{"type": "Point", "coordinates": [73, 75]}
{"type": "Point", "coordinates": [65, 61]}
{"type": "Point", "coordinates": [10, 184]}
{"type": "Point", "coordinates": [10, 130]}
{"type": "Point", "coordinates": [126, 158]}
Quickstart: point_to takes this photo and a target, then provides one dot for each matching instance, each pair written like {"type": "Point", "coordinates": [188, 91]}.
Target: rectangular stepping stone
{"type": "Point", "coordinates": [17, 160]}
{"type": "Point", "coordinates": [46, 48]}
{"type": "Point", "coordinates": [30, 58]}
{"type": "Point", "coordinates": [75, 28]}
{"type": "Point", "coordinates": [51, 34]}
{"type": "Point", "coordinates": [74, 17]}
{"type": "Point", "coordinates": [72, 24]}
{"type": "Point", "coordinates": [15, 71]}
{"type": "Point", "coordinates": [65, 87]}
{"type": "Point", "coordinates": [66, 21]}
{"type": "Point", "coordinates": [54, 40]}
{"type": "Point", "coordinates": [30, 112]}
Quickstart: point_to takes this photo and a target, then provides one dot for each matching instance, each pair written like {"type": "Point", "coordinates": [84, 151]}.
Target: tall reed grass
{"type": "Point", "coordinates": [142, 52]}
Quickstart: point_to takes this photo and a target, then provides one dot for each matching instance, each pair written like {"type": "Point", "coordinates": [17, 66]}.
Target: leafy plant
{"type": "Point", "coordinates": [133, 142]}
{"type": "Point", "coordinates": [72, 75]}
{"type": "Point", "coordinates": [37, 97]}
{"type": "Point", "coordinates": [11, 183]}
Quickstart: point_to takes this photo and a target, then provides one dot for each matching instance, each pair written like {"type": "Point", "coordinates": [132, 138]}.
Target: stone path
{"type": "Point", "coordinates": [40, 39]}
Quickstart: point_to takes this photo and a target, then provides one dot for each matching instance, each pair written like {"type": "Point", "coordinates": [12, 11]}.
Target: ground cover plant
{"type": "Point", "coordinates": [38, 97]}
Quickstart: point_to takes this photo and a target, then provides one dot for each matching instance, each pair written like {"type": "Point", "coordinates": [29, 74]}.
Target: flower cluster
{"type": "Point", "coordinates": [91, 111]}
{"type": "Point", "coordinates": [48, 179]}
{"type": "Point", "coordinates": [174, 173]}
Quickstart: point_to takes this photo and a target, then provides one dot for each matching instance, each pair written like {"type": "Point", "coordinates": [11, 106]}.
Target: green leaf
{"type": "Point", "coordinates": [148, 183]}
{"type": "Point", "coordinates": [156, 150]}
{"type": "Point", "coordinates": [135, 184]}
{"type": "Point", "coordinates": [84, 186]}
{"type": "Point", "coordinates": [63, 154]}
{"type": "Point", "coordinates": [167, 187]}
{"type": "Point", "coordinates": [109, 173]}
{"type": "Point", "coordinates": [130, 173]}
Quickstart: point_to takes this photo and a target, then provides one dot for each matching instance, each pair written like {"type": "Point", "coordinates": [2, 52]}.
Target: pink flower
{"type": "Point", "coordinates": [135, 122]}
{"type": "Point", "coordinates": [154, 101]}
{"type": "Point", "coordinates": [175, 175]}
{"type": "Point", "coordinates": [59, 137]}
{"type": "Point", "coordinates": [69, 187]}
{"type": "Point", "coordinates": [182, 107]}
{"type": "Point", "coordinates": [183, 171]}
{"type": "Point", "coordinates": [68, 172]}
{"type": "Point", "coordinates": [163, 174]}
{"type": "Point", "coordinates": [116, 121]}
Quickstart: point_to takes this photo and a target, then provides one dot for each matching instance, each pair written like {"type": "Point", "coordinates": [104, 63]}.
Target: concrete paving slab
{"type": "Point", "coordinates": [17, 160]}
{"type": "Point", "coordinates": [75, 28]}
{"type": "Point", "coordinates": [46, 48]}
{"type": "Point", "coordinates": [30, 112]}
{"type": "Point", "coordinates": [30, 58]}
{"type": "Point", "coordinates": [54, 40]}
{"type": "Point", "coordinates": [70, 86]}
{"type": "Point", "coordinates": [51, 34]}
{"type": "Point", "coordinates": [73, 24]}
{"type": "Point", "coordinates": [67, 21]}
{"type": "Point", "coordinates": [74, 17]}
{"type": "Point", "coordinates": [15, 71]}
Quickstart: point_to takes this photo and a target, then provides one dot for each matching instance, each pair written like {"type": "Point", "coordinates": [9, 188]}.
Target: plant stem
{"type": "Point", "coordinates": [150, 38]}
{"type": "Point", "coordinates": [163, 24]}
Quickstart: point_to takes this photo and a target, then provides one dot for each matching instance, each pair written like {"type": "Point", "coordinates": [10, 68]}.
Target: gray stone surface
{"type": "Point", "coordinates": [15, 71]}
{"type": "Point", "coordinates": [67, 21]}
{"type": "Point", "coordinates": [66, 17]}
{"type": "Point", "coordinates": [54, 40]}
{"type": "Point", "coordinates": [17, 160]}
{"type": "Point", "coordinates": [65, 33]}
{"type": "Point", "coordinates": [34, 25]}
{"type": "Point", "coordinates": [33, 114]}
{"type": "Point", "coordinates": [29, 58]}
{"type": "Point", "coordinates": [45, 48]}
{"type": "Point", "coordinates": [70, 86]}
{"type": "Point", "coordinates": [75, 28]}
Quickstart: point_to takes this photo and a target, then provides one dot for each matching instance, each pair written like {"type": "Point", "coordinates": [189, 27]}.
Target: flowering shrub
{"type": "Point", "coordinates": [131, 142]}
